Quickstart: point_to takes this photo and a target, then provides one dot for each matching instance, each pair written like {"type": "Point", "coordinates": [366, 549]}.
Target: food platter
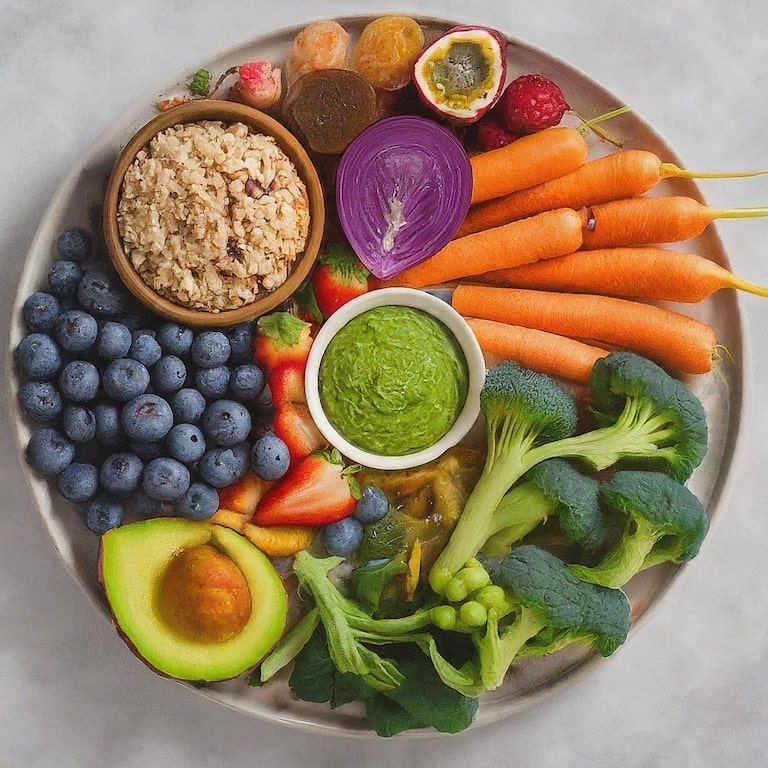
{"type": "Point", "coordinates": [721, 392]}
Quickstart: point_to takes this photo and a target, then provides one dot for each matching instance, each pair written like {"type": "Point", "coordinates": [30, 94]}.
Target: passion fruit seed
{"type": "Point", "coordinates": [203, 595]}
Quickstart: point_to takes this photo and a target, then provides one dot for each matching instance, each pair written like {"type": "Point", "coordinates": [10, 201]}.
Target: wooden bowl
{"type": "Point", "coordinates": [227, 112]}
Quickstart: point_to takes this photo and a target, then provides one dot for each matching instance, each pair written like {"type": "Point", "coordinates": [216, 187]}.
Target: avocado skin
{"type": "Point", "coordinates": [133, 557]}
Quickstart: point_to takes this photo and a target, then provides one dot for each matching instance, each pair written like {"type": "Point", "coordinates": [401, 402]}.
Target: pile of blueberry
{"type": "Point", "coordinates": [131, 412]}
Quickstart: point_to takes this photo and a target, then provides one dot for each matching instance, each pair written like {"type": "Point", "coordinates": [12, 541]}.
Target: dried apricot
{"type": "Point", "coordinates": [321, 44]}
{"type": "Point", "coordinates": [386, 50]}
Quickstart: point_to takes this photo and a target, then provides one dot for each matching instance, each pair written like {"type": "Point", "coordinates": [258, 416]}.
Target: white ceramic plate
{"type": "Point", "coordinates": [722, 391]}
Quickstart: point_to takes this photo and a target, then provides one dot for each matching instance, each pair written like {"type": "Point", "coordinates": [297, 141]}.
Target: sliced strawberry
{"type": "Point", "coordinates": [243, 496]}
{"type": "Point", "coordinates": [286, 383]}
{"type": "Point", "coordinates": [281, 336]}
{"type": "Point", "coordinates": [294, 425]}
{"type": "Point", "coordinates": [316, 491]}
{"type": "Point", "coordinates": [338, 277]}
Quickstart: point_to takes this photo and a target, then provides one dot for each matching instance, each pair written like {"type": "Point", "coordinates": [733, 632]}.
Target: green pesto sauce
{"type": "Point", "coordinates": [393, 380]}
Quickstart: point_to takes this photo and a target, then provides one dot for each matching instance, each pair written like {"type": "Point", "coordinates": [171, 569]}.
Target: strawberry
{"type": "Point", "coordinates": [286, 383]}
{"type": "Point", "coordinates": [293, 424]}
{"type": "Point", "coordinates": [318, 490]}
{"type": "Point", "coordinates": [243, 496]}
{"type": "Point", "coordinates": [281, 336]}
{"type": "Point", "coordinates": [530, 103]}
{"type": "Point", "coordinates": [338, 278]}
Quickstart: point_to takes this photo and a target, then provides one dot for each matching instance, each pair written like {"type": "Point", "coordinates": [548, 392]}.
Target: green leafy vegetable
{"type": "Point", "coordinates": [200, 83]}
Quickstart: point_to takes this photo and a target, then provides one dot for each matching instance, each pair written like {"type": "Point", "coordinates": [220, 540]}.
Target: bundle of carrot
{"type": "Point", "coordinates": [626, 173]}
{"type": "Point", "coordinates": [672, 339]}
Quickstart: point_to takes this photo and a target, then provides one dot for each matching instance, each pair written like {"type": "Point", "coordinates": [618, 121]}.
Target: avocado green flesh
{"type": "Point", "coordinates": [133, 558]}
{"type": "Point", "coordinates": [393, 380]}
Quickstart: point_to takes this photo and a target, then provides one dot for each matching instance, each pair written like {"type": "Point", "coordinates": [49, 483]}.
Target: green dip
{"type": "Point", "coordinates": [393, 380]}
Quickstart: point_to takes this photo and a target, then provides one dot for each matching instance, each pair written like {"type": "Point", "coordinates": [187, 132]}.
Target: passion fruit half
{"type": "Point", "coordinates": [194, 600]}
{"type": "Point", "coordinates": [461, 74]}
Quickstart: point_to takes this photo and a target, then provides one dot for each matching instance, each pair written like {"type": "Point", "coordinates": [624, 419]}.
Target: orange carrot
{"type": "Point", "coordinates": [626, 173]}
{"type": "Point", "coordinates": [553, 233]}
{"type": "Point", "coordinates": [526, 161]}
{"type": "Point", "coordinates": [670, 338]}
{"type": "Point", "coordinates": [644, 220]}
{"type": "Point", "coordinates": [540, 351]}
{"type": "Point", "coordinates": [642, 272]}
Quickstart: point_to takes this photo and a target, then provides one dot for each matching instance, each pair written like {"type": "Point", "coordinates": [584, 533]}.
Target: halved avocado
{"type": "Point", "coordinates": [134, 563]}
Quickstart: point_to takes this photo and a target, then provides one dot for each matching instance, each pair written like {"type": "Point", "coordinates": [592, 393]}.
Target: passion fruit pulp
{"type": "Point", "coordinates": [461, 74]}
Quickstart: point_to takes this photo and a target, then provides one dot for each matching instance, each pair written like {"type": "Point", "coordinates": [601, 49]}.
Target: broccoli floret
{"type": "Point", "coordinates": [554, 488]}
{"type": "Point", "coordinates": [554, 608]}
{"type": "Point", "coordinates": [665, 522]}
{"type": "Point", "coordinates": [522, 409]}
{"type": "Point", "coordinates": [645, 414]}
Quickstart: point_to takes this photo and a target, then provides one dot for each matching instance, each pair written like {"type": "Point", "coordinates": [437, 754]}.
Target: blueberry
{"type": "Point", "coordinates": [147, 451]}
{"type": "Point", "coordinates": [371, 506]}
{"type": "Point", "coordinates": [37, 356]}
{"type": "Point", "coordinates": [168, 374]}
{"type": "Point", "coordinates": [109, 430]}
{"type": "Point", "coordinates": [103, 513]}
{"type": "Point", "coordinates": [226, 422]}
{"type": "Point", "coordinates": [270, 458]}
{"type": "Point", "coordinates": [144, 505]}
{"type": "Point", "coordinates": [221, 466]}
{"type": "Point", "coordinates": [101, 293]}
{"type": "Point", "coordinates": [40, 401]}
{"type": "Point", "coordinates": [188, 405]}
{"type": "Point", "coordinates": [124, 379]}
{"type": "Point", "coordinates": [210, 349]}
{"type": "Point", "coordinates": [74, 244]}
{"type": "Point", "coordinates": [241, 344]}
{"type": "Point", "coordinates": [343, 537]}
{"type": "Point", "coordinates": [165, 479]}
{"type": "Point", "coordinates": [76, 331]}
{"type": "Point", "coordinates": [145, 348]}
{"type": "Point", "coordinates": [120, 474]}
{"type": "Point", "coordinates": [113, 341]}
{"type": "Point", "coordinates": [199, 502]}
{"type": "Point", "coordinates": [78, 423]}
{"type": "Point", "coordinates": [146, 418]}
{"type": "Point", "coordinates": [41, 310]}
{"type": "Point", "coordinates": [78, 482]}
{"type": "Point", "coordinates": [175, 339]}
{"type": "Point", "coordinates": [212, 382]}
{"type": "Point", "coordinates": [186, 443]}
{"type": "Point", "coordinates": [79, 381]}
{"type": "Point", "coordinates": [246, 382]}
{"type": "Point", "coordinates": [49, 451]}
{"type": "Point", "coordinates": [64, 277]}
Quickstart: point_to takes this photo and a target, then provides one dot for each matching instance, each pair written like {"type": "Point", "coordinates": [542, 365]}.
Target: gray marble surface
{"type": "Point", "coordinates": [688, 690]}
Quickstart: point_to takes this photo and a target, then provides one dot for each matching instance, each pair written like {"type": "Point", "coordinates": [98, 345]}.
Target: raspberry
{"type": "Point", "coordinates": [491, 134]}
{"type": "Point", "coordinates": [531, 103]}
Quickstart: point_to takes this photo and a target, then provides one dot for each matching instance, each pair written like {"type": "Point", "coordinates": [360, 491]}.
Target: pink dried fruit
{"type": "Point", "coordinates": [259, 85]}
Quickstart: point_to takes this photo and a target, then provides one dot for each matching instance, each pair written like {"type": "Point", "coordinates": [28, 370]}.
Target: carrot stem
{"type": "Point", "coordinates": [672, 171]}
{"type": "Point", "coordinates": [738, 213]}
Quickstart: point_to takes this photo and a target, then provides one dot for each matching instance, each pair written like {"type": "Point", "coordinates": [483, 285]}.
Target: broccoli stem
{"type": "Point", "coordinates": [624, 560]}
{"type": "Point", "coordinates": [520, 510]}
{"type": "Point", "coordinates": [476, 520]}
{"type": "Point", "coordinates": [497, 650]}
{"type": "Point", "coordinates": [636, 433]}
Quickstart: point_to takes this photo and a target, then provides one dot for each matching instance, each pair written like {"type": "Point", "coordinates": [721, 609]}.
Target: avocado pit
{"type": "Point", "coordinates": [203, 595]}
